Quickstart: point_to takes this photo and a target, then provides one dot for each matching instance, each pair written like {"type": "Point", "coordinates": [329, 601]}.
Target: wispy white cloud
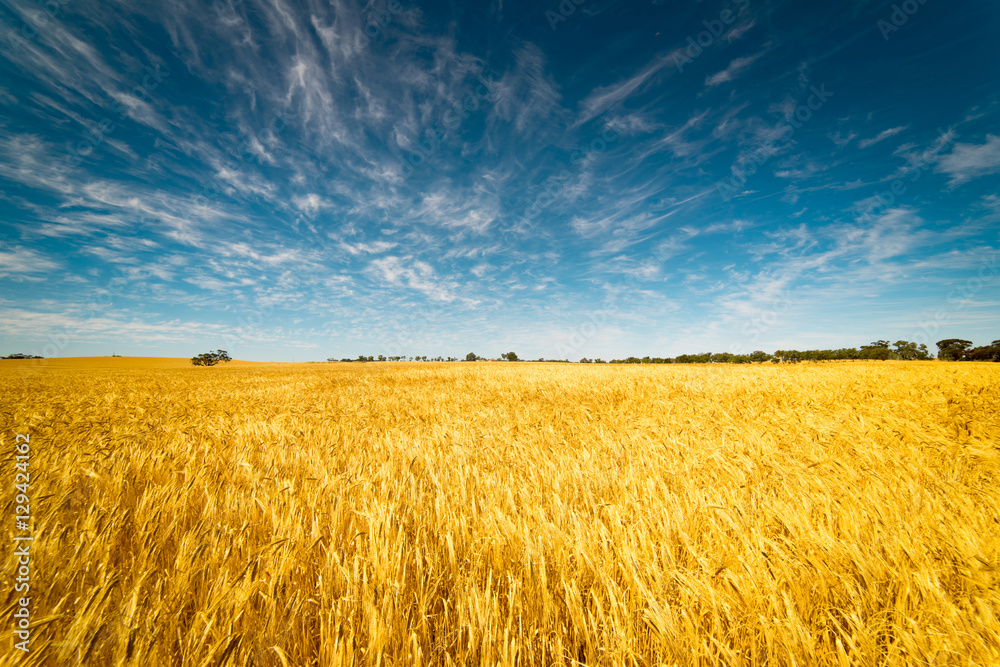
{"type": "Point", "coordinates": [372, 248]}
{"type": "Point", "coordinates": [881, 136]}
{"type": "Point", "coordinates": [969, 161]}
{"type": "Point", "coordinates": [843, 138]}
{"type": "Point", "coordinates": [607, 97]}
{"type": "Point", "coordinates": [310, 204]}
{"type": "Point", "coordinates": [414, 274]}
{"type": "Point", "coordinates": [735, 68]}
{"type": "Point", "coordinates": [739, 31]}
{"type": "Point", "coordinates": [20, 264]}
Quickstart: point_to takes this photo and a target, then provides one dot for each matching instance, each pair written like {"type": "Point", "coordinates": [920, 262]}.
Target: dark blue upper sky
{"type": "Point", "coordinates": [312, 179]}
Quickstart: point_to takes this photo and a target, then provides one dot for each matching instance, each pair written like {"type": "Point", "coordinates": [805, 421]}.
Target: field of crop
{"type": "Point", "coordinates": [508, 514]}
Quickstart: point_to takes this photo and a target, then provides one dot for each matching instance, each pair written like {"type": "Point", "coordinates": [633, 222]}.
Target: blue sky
{"type": "Point", "coordinates": [326, 179]}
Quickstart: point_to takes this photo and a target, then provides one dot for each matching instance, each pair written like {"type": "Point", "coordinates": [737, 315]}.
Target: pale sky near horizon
{"type": "Point", "coordinates": [584, 179]}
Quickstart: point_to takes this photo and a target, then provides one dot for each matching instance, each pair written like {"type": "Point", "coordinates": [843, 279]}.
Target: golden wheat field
{"type": "Point", "coordinates": [508, 514]}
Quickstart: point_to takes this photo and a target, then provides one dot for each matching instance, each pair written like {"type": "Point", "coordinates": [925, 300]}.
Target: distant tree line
{"type": "Point", "coordinates": [471, 356]}
{"type": "Point", "coordinates": [20, 355]}
{"type": "Point", "coordinates": [362, 358]}
{"type": "Point", "coordinates": [959, 349]}
{"type": "Point", "coordinates": [951, 349]}
{"type": "Point", "coordinates": [877, 350]}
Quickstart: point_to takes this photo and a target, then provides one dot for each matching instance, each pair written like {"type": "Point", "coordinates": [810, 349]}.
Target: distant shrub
{"type": "Point", "coordinates": [210, 358]}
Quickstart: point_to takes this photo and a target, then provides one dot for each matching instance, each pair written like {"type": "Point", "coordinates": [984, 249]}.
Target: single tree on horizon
{"type": "Point", "coordinates": [211, 358]}
{"type": "Point", "coordinates": [953, 349]}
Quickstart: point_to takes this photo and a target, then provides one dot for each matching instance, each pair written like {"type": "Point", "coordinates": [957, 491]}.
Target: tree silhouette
{"type": "Point", "coordinates": [211, 358]}
{"type": "Point", "coordinates": [989, 352]}
{"type": "Point", "coordinates": [953, 349]}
